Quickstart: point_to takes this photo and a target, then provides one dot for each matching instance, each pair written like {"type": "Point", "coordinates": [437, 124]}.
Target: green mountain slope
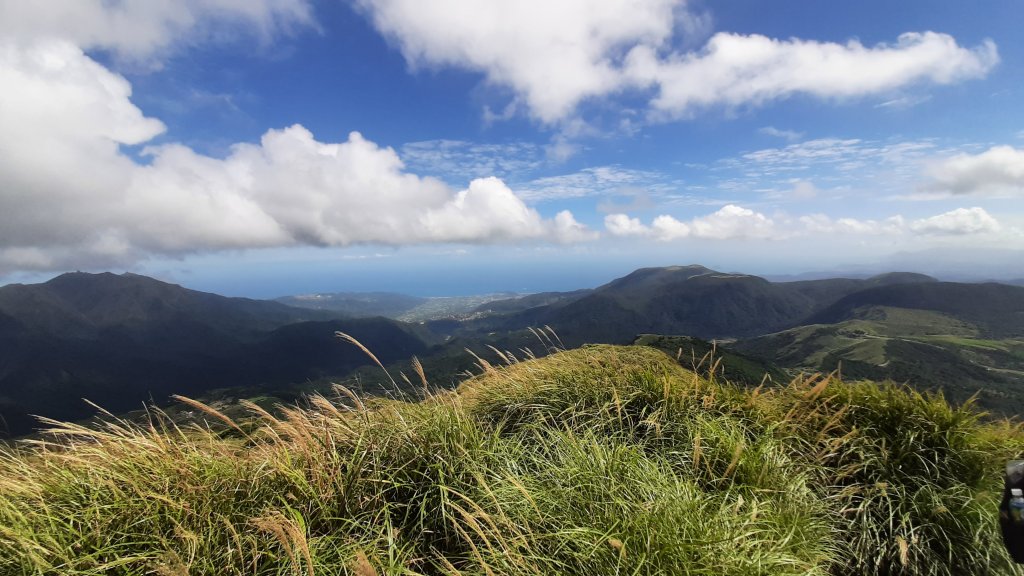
{"type": "Point", "coordinates": [929, 350]}
{"type": "Point", "coordinates": [995, 309]}
{"type": "Point", "coordinates": [710, 360]}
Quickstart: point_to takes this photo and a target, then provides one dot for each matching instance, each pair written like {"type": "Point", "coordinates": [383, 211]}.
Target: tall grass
{"type": "Point", "coordinates": [600, 460]}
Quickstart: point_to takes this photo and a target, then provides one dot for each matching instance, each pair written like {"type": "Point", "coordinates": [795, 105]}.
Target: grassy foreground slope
{"type": "Point", "coordinates": [600, 460]}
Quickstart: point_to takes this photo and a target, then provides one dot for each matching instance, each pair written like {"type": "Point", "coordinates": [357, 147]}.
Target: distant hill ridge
{"type": "Point", "coordinates": [692, 300]}
{"type": "Point", "coordinates": [82, 304]}
{"type": "Point", "coordinates": [121, 339]}
{"type": "Point", "coordinates": [998, 309]}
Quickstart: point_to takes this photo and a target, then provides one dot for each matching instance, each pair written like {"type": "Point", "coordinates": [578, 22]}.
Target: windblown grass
{"type": "Point", "coordinates": [601, 460]}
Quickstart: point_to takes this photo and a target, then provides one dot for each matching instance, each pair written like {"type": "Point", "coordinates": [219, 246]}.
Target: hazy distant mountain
{"type": "Point", "coordinates": [84, 305]}
{"type": "Point", "coordinates": [398, 306]}
{"type": "Point", "coordinates": [522, 303]}
{"type": "Point", "coordinates": [357, 304]}
{"type": "Point", "coordinates": [121, 339]}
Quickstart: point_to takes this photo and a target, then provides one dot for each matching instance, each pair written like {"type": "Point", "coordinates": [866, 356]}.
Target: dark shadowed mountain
{"type": "Point", "coordinates": [690, 300]}
{"type": "Point", "coordinates": [995, 309]}
{"type": "Point", "coordinates": [119, 340]}
{"type": "Point", "coordinates": [963, 339]}
{"type": "Point", "coordinates": [84, 305]}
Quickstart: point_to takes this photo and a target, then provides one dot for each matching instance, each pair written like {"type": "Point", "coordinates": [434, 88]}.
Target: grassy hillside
{"type": "Point", "coordinates": [929, 350]}
{"type": "Point", "coordinates": [995, 309]}
{"type": "Point", "coordinates": [709, 360]}
{"type": "Point", "coordinates": [600, 460]}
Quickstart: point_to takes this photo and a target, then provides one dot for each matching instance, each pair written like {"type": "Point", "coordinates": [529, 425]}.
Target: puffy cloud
{"type": "Point", "coordinates": [72, 197]}
{"type": "Point", "coordinates": [999, 169]}
{"type": "Point", "coordinates": [623, 225]}
{"type": "Point", "coordinates": [487, 210]}
{"type": "Point", "coordinates": [295, 189]}
{"type": "Point", "coordinates": [63, 123]}
{"type": "Point", "coordinates": [553, 55]}
{"type": "Point", "coordinates": [140, 30]}
{"type": "Point", "coordinates": [729, 222]}
{"type": "Point", "coordinates": [735, 69]}
{"type": "Point", "coordinates": [961, 221]}
{"type": "Point", "coordinates": [733, 221]}
{"type": "Point", "coordinates": [568, 230]}
{"type": "Point", "coordinates": [667, 228]}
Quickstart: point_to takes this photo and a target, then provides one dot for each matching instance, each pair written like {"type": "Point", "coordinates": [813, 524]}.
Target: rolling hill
{"type": "Point", "coordinates": [926, 348]}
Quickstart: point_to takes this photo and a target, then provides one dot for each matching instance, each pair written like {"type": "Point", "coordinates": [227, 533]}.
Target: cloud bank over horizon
{"type": "Point", "coordinates": [735, 222]}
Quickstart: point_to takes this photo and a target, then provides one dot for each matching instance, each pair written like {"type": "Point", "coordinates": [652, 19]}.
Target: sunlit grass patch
{"type": "Point", "coordinates": [599, 460]}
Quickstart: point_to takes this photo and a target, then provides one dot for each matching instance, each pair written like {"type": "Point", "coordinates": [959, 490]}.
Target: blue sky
{"type": "Point", "coordinates": [268, 147]}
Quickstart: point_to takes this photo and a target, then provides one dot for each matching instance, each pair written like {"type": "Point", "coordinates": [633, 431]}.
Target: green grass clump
{"type": "Point", "coordinates": [600, 460]}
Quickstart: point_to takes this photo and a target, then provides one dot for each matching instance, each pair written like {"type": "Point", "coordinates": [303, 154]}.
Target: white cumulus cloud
{"type": "Point", "coordinates": [961, 221]}
{"type": "Point", "coordinates": [138, 30]}
{"type": "Point", "coordinates": [735, 69]}
{"type": "Point", "coordinates": [999, 169]}
{"type": "Point", "coordinates": [623, 225]}
{"type": "Point", "coordinates": [72, 197]}
{"type": "Point", "coordinates": [554, 55]}
{"type": "Point", "coordinates": [729, 222]}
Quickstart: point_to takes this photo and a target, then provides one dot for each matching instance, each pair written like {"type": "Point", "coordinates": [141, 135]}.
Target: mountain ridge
{"type": "Point", "coordinates": [122, 339]}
